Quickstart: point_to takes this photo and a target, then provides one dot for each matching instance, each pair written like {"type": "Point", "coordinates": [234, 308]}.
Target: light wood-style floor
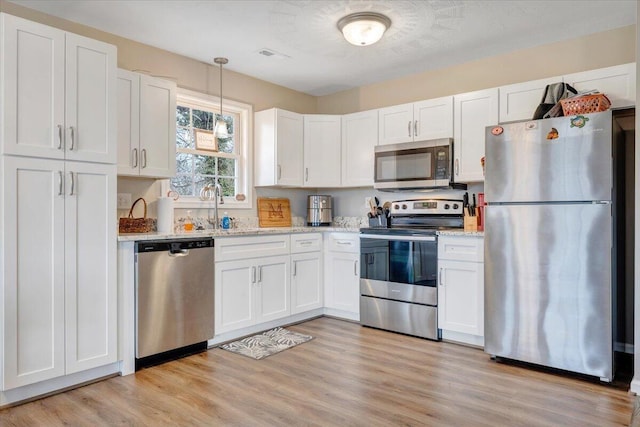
{"type": "Point", "coordinates": [347, 376]}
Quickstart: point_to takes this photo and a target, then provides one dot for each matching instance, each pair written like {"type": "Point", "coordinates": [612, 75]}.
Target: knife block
{"type": "Point", "coordinates": [470, 223]}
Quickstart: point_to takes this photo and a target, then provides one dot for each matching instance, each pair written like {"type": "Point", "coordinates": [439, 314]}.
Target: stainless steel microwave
{"type": "Point", "coordinates": [414, 165]}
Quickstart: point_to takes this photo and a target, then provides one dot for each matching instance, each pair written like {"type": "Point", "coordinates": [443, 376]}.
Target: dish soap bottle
{"type": "Point", "coordinates": [226, 221]}
{"type": "Point", "coordinates": [188, 223]}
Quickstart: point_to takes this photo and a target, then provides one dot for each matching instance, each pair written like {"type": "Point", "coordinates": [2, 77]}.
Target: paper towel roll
{"type": "Point", "coordinates": [165, 215]}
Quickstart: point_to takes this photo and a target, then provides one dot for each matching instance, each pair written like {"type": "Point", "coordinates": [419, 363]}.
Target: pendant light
{"type": "Point", "coordinates": [363, 28]}
{"type": "Point", "coordinates": [220, 130]}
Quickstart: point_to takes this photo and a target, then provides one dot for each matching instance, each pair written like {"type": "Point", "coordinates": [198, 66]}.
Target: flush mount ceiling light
{"type": "Point", "coordinates": [220, 130]}
{"type": "Point", "coordinates": [363, 28]}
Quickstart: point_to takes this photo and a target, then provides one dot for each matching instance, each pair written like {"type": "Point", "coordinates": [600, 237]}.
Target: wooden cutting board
{"type": "Point", "coordinates": [274, 212]}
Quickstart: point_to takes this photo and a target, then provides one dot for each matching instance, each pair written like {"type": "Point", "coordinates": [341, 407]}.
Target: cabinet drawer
{"type": "Point", "coordinates": [306, 242]}
{"type": "Point", "coordinates": [461, 248]}
{"type": "Point", "coordinates": [344, 242]}
{"type": "Point", "coordinates": [232, 248]}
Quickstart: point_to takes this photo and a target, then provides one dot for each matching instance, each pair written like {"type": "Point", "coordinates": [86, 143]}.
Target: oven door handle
{"type": "Point", "coordinates": [412, 238]}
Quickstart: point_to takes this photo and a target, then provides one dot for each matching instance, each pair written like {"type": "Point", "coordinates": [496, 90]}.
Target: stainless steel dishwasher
{"type": "Point", "coordinates": [174, 298]}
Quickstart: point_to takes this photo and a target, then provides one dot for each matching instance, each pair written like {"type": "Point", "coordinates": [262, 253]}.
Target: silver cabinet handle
{"type": "Point", "coordinates": [409, 128]}
{"type": "Point", "coordinates": [441, 281]}
{"type": "Point", "coordinates": [73, 138]}
{"type": "Point", "coordinates": [253, 275]}
{"type": "Point", "coordinates": [295, 269]}
{"type": "Point", "coordinates": [415, 128]}
{"type": "Point", "coordinates": [60, 181]}
{"type": "Point", "coordinates": [306, 174]}
{"type": "Point", "coordinates": [457, 167]}
{"type": "Point", "coordinates": [343, 243]}
{"type": "Point", "coordinates": [355, 268]}
{"type": "Point", "coordinates": [144, 157]}
{"type": "Point", "coordinates": [260, 274]}
{"type": "Point", "coordinates": [134, 155]}
{"type": "Point", "coordinates": [73, 184]}
{"type": "Point", "coordinates": [305, 242]}
{"type": "Point", "coordinates": [59, 137]}
{"type": "Point", "coordinates": [279, 172]}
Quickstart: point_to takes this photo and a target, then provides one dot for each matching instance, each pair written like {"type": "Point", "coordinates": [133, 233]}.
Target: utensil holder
{"type": "Point", "coordinates": [378, 222]}
{"type": "Point", "coordinates": [470, 223]}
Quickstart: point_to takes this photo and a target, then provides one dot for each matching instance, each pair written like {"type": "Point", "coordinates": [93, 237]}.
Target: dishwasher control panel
{"type": "Point", "coordinates": [173, 245]}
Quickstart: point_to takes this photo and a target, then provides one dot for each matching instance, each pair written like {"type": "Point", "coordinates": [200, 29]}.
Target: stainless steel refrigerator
{"type": "Point", "coordinates": [548, 243]}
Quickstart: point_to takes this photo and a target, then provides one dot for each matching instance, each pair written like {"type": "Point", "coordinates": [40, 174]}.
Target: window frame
{"type": "Point", "coordinates": [242, 142]}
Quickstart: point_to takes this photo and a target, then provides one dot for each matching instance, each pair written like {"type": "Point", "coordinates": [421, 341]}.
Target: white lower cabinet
{"type": "Point", "coordinates": [461, 288]}
{"type": "Point", "coordinates": [306, 272]}
{"type": "Point", "coordinates": [342, 275]}
{"type": "Point", "coordinates": [251, 291]}
{"type": "Point", "coordinates": [58, 283]}
{"type": "Point", "coordinates": [252, 281]}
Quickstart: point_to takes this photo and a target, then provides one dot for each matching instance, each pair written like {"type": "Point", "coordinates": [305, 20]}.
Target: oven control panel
{"type": "Point", "coordinates": [427, 207]}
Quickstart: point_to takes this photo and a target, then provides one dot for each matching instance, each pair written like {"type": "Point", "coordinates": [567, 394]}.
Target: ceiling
{"type": "Point", "coordinates": [310, 54]}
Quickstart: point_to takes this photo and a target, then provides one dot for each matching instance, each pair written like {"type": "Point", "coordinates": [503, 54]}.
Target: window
{"type": "Point", "coordinates": [202, 160]}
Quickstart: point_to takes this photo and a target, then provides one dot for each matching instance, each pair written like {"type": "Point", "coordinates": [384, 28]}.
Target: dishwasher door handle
{"type": "Point", "coordinates": [179, 253]}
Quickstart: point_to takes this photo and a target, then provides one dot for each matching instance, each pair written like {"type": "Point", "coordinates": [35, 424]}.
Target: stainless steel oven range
{"type": "Point", "coordinates": [398, 267]}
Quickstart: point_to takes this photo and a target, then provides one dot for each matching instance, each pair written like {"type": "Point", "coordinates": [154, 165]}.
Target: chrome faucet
{"type": "Point", "coordinates": [213, 192]}
{"type": "Point", "coordinates": [217, 192]}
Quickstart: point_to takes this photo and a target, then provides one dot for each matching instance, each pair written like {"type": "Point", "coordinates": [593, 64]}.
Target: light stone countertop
{"type": "Point", "coordinates": [458, 232]}
{"type": "Point", "coordinates": [134, 237]}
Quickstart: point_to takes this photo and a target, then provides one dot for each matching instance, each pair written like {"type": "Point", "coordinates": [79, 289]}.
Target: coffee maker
{"type": "Point", "coordinates": [319, 211]}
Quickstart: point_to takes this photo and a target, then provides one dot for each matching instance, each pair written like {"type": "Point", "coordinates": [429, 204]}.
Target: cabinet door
{"type": "Point", "coordinates": [273, 289]}
{"type": "Point", "coordinates": [32, 104]}
{"type": "Point", "coordinates": [461, 297]}
{"type": "Point", "coordinates": [234, 295]}
{"type": "Point", "coordinates": [359, 137]}
{"type": "Point", "coordinates": [322, 143]}
{"type": "Point", "coordinates": [395, 124]}
{"type": "Point", "coordinates": [306, 282]}
{"type": "Point", "coordinates": [90, 266]}
{"type": "Point", "coordinates": [90, 100]}
{"type": "Point", "coordinates": [433, 119]}
{"type": "Point", "coordinates": [519, 101]}
{"type": "Point", "coordinates": [618, 83]}
{"type": "Point", "coordinates": [157, 127]}
{"type": "Point", "coordinates": [33, 273]}
{"type": "Point", "coordinates": [342, 282]}
{"type": "Point", "coordinates": [289, 148]}
{"type": "Point", "coordinates": [128, 123]}
{"type": "Point", "coordinates": [473, 112]}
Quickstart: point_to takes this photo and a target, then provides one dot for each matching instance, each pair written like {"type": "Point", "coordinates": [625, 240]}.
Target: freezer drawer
{"type": "Point", "coordinates": [548, 285]}
{"type": "Point", "coordinates": [406, 318]}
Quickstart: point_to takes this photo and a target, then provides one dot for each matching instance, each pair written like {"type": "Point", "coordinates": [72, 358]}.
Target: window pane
{"type": "Point", "coordinates": [227, 167]}
{"type": "Point", "coordinates": [183, 185]}
{"type": "Point", "coordinates": [183, 138]}
{"type": "Point", "coordinates": [201, 181]}
{"type": "Point", "coordinates": [204, 165]}
{"type": "Point", "coordinates": [184, 163]}
{"type": "Point", "coordinates": [182, 116]}
{"type": "Point", "coordinates": [226, 145]}
{"type": "Point", "coordinates": [203, 119]}
{"type": "Point", "coordinates": [228, 186]}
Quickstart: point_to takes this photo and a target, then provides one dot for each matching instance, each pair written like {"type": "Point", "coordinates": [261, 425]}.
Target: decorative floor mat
{"type": "Point", "coordinates": [263, 345]}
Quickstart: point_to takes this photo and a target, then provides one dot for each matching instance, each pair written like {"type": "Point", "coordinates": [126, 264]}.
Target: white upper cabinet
{"type": "Point", "coordinates": [59, 93]}
{"type": "Point", "coordinates": [146, 125]}
{"type": "Point", "coordinates": [322, 146]}
{"type": "Point", "coordinates": [395, 124]}
{"type": "Point", "coordinates": [359, 138]}
{"type": "Point", "coordinates": [278, 148]}
{"type": "Point", "coordinates": [617, 82]}
{"type": "Point", "coordinates": [473, 112]}
{"type": "Point", "coordinates": [430, 119]}
{"type": "Point", "coordinates": [519, 101]}
{"type": "Point", "coordinates": [433, 119]}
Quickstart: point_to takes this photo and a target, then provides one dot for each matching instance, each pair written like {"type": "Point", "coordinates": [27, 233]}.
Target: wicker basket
{"type": "Point", "coordinates": [585, 104]}
{"type": "Point", "coordinates": [136, 225]}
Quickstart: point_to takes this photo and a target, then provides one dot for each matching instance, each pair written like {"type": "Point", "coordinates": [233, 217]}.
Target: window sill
{"type": "Point", "coordinates": [194, 203]}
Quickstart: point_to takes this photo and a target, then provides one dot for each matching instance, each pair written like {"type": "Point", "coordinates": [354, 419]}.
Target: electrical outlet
{"type": "Point", "coordinates": [124, 200]}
